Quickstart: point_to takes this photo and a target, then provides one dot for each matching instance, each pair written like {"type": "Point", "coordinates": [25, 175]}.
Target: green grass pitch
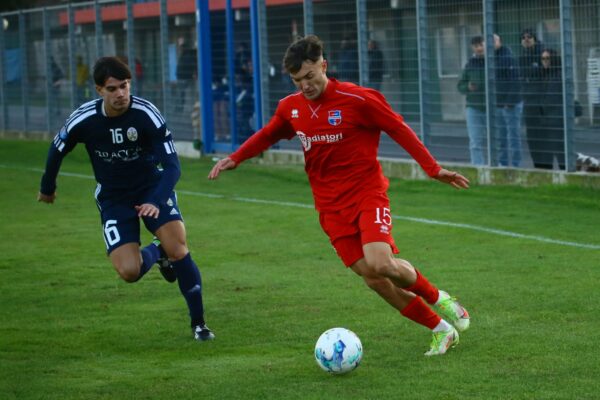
{"type": "Point", "coordinates": [71, 329]}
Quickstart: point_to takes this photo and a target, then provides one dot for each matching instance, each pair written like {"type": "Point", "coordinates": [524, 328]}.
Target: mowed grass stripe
{"type": "Point", "coordinates": [484, 229]}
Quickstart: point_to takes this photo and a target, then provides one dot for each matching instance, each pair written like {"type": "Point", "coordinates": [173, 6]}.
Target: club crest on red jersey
{"type": "Point", "coordinates": [335, 117]}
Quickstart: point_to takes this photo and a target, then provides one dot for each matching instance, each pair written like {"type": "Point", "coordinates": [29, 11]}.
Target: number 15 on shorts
{"type": "Point", "coordinates": [383, 216]}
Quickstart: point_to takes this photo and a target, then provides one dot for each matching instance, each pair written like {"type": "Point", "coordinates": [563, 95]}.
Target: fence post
{"type": "Point", "coordinates": [490, 79]}
{"type": "Point", "coordinates": [362, 38]}
{"type": "Point", "coordinates": [423, 64]}
{"type": "Point", "coordinates": [130, 44]}
{"type": "Point", "coordinates": [49, 78]}
{"type": "Point", "coordinates": [309, 23]}
{"type": "Point", "coordinates": [3, 97]}
{"type": "Point", "coordinates": [164, 56]}
{"type": "Point", "coordinates": [72, 57]}
{"type": "Point", "coordinates": [24, 71]}
{"type": "Point", "coordinates": [205, 73]}
{"type": "Point", "coordinates": [566, 27]}
{"type": "Point", "coordinates": [257, 29]}
{"type": "Point", "coordinates": [231, 74]}
{"type": "Point", "coordinates": [99, 42]}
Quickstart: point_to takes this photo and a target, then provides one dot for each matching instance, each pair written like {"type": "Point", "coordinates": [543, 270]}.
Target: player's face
{"type": "Point", "coordinates": [115, 93]}
{"type": "Point", "coordinates": [311, 79]}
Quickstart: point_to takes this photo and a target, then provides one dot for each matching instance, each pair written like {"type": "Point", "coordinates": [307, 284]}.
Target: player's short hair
{"type": "Point", "coordinates": [475, 40]}
{"type": "Point", "coordinates": [308, 48]}
{"type": "Point", "coordinates": [107, 67]}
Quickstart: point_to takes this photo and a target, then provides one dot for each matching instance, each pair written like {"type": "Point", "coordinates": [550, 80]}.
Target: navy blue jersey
{"type": "Point", "coordinates": [126, 151]}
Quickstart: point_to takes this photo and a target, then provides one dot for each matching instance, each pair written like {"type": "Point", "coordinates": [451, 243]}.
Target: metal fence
{"type": "Point", "coordinates": [529, 97]}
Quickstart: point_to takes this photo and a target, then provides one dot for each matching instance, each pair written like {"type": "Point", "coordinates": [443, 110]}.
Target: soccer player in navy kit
{"type": "Point", "coordinates": [127, 140]}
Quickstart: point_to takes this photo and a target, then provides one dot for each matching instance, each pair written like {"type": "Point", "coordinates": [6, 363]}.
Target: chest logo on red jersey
{"type": "Point", "coordinates": [295, 113]}
{"type": "Point", "coordinates": [326, 138]}
{"type": "Point", "coordinates": [334, 117]}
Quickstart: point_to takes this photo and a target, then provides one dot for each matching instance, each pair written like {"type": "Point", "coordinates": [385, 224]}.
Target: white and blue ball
{"type": "Point", "coordinates": [338, 351]}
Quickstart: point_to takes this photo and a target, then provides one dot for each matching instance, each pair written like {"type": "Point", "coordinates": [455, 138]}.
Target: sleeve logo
{"type": "Point", "coordinates": [63, 133]}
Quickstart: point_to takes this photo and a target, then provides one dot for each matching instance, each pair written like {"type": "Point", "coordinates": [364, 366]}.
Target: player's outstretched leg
{"type": "Point", "coordinates": [442, 302]}
{"type": "Point", "coordinates": [444, 336]}
{"type": "Point", "coordinates": [190, 285]}
{"type": "Point", "coordinates": [442, 340]}
{"type": "Point", "coordinates": [164, 265]}
{"type": "Point", "coordinates": [452, 311]}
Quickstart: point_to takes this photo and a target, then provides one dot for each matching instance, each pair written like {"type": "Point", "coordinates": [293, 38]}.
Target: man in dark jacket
{"type": "Point", "coordinates": [548, 139]}
{"type": "Point", "coordinates": [472, 84]}
{"type": "Point", "coordinates": [187, 66]}
{"type": "Point", "coordinates": [509, 106]}
{"type": "Point", "coordinates": [531, 70]}
{"type": "Point", "coordinates": [375, 65]}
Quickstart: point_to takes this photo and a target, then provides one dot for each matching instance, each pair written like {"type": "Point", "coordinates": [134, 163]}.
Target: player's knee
{"type": "Point", "coordinates": [381, 265]}
{"type": "Point", "coordinates": [129, 273]}
{"type": "Point", "coordinates": [177, 253]}
{"type": "Point", "coordinates": [377, 284]}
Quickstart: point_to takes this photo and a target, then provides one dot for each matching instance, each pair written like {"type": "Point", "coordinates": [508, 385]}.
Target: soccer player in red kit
{"type": "Point", "coordinates": [339, 125]}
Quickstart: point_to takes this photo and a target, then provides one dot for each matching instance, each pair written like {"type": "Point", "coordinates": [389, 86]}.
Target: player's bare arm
{"type": "Point", "coordinates": [147, 210]}
{"type": "Point", "coordinates": [46, 198]}
{"type": "Point", "coordinates": [221, 165]}
{"type": "Point", "coordinates": [452, 178]}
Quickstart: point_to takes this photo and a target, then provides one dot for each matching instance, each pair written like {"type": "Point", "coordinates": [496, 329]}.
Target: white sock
{"type": "Point", "coordinates": [441, 296]}
{"type": "Point", "coordinates": [442, 326]}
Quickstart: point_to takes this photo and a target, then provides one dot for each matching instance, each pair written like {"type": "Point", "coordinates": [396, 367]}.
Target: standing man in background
{"type": "Point", "coordinates": [375, 65]}
{"type": "Point", "coordinates": [531, 72]}
{"type": "Point", "coordinates": [82, 80]}
{"type": "Point", "coordinates": [509, 106]}
{"type": "Point", "coordinates": [472, 85]}
{"type": "Point", "coordinates": [186, 72]}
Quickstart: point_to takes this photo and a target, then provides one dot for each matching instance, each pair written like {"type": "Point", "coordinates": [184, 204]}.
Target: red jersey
{"type": "Point", "coordinates": [339, 132]}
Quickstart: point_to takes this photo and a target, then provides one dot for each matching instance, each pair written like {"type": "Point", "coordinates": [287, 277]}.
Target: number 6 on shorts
{"type": "Point", "coordinates": [111, 234]}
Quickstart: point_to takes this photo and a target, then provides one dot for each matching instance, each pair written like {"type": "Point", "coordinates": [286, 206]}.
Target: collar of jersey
{"type": "Point", "coordinates": [331, 85]}
{"type": "Point", "coordinates": [103, 111]}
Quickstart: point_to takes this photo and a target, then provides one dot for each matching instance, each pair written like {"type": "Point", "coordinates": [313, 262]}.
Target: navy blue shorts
{"type": "Point", "coordinates": [120, 222]}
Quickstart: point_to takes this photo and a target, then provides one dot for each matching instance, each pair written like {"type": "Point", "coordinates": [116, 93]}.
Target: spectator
{"type": "Point", "coordinates": [244, 92]}
{"type": "Point", "coordinates": [187, 66]}
{"type": "Point", "coordinates": [375, 65]}
{"type": "Point", "coordinates": [509, 106]}
{"type": "Point", "coordinates": [82, 80]}
{"type": "Point", "coordinates": [57, 77]}
{"type": "Point", "coordinates": [243, 66]}
{"type": "Point", "coordinates": [139, 76]}
{"type": "Point", "coordinates": [220, 104]}
{"type": "Point", "coordinates": [546, 141]}
{"type": "Point", "coordinates": [472, 84]}
{"type": "Point", "coordinates": [529, 64]}
{"type": "Point", "coordinates": [347, 61]}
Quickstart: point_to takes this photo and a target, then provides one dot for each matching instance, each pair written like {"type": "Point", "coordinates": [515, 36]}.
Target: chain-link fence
{"type": "Point", "coordinates": [484, 82]}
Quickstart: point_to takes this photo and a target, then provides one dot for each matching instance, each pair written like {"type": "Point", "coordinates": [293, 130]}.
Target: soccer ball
{"type": "Point", "coordinates": [338, 351]}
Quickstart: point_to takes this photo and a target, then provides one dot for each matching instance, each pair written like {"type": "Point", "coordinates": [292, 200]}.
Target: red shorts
{"type": "Point", "coordinates": [352, 227]}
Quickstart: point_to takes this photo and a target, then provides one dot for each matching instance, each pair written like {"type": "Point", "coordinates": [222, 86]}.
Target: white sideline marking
{"type": "Point", "coordinates": [303, 205]}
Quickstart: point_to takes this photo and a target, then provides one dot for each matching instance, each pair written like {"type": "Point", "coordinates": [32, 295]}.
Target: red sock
{"type": "Point", "coordinates": [420, 312]}
{"type": "Point", "coordinates": [423, 288]}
